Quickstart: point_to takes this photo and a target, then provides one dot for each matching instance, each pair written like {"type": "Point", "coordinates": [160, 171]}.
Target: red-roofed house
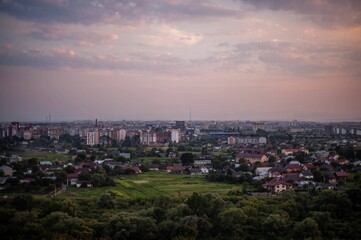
{"type": "Point", "coordinates": [308, 166]}
{"type": "Point", "coordinates": [175, 169]}
{"type": "Point", "coordinates": [277, 186]}
{"type": "Point", "coordinates": [341, 175]}
{"type": "Point", "coordinates": [27, 180]}
{"type": "Point", "coordinates": [73, 178]}
{"type": "Point", "coordinates": [293, 168]}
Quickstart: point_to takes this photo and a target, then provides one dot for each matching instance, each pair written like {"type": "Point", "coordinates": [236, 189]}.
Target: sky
{"type": "Point", "coordinates": [157, 59]}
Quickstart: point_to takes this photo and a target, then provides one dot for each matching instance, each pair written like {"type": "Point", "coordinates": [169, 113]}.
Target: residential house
{"type": "Point", "coordinates": [154, 167]}
{"type": "Point", "coordinates": [175, 169]}
{"type": "Point", "coordinates": [275, 172]}
{"type": "Point", "coordinates": [45, 163]}
{"type": "Point", "coordinates": [308, 166]}
{"type": "Point", "coordinates": [204, 170]}
{"type": "Point", "coordinates": [329, 176]}
{"type": "Point", "coordinates": [291, 177]}
{"type": "Point", "coordinates": [333, 157]}
{"type": "Point", "coordinates": [27, 180]}
{"type": "Point", "coordinates": [195, 171]}
{"type": "Point", "coordinates": [277, 186]}
{"type": "Point", "coordinates": [202, 162]}
{"type": "Point", "coordinates": [126, 155]}
{"type": "Point", "coordinates": [306, 175]}
{"type": "Point", "coordinates": [293, 168]}
{"type": "Point", "coordinates": [340, 175]}
{"type": "Point", "coordinates": [291, 151]}
{"type": "Point", "coordinates": [15, 159]}
{"type": "Point", "coordinates": [343, 161]}
{"type": "Point", "coordinates": [3, 180]}
{"type": "Point", "coordinates": [83, 184]}
{"type": "Point", "coordinates": [295, 162]}
{"type": "Point", "coordinates": [263, 171]}
{"type": "Point", "coordinates": [72, 179]}
{"type": "Point", "coordinates": [252, 158]}
{"type": "Point", "coordinates": [8, 171]}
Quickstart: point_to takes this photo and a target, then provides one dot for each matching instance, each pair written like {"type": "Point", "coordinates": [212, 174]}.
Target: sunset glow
{"type": "Point", "coordinates": [227, 60]}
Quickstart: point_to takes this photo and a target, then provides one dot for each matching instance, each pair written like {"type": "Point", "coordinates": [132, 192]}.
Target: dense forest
{"type": "Point", "coordinates": [293, 215]}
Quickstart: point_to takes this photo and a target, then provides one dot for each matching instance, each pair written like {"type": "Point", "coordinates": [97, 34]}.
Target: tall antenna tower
{"type": "Point", "coordinates": [190, 115]}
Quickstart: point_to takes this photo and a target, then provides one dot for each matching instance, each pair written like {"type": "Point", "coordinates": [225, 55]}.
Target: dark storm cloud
{"type": "Point", "coordinates": [329, 13]}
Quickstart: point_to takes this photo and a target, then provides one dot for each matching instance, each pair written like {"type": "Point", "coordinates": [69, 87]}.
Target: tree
{"type": "Point", "coordinates": [97, 179]}
{"type": "Point", "coordinates": [277, 224]}
{"type": "Point", "coordinates": [184, 232]}
{"type": "Point", "coordinates": [307, 229]}
{"type": "Point", "coordinates": [23, 202]}
{"type": "Point", "coordinates": [231, 223]}
{"type": "Point", "coordinates": [61, 176]}
{"type": "Point", "coordinates": [84, 176]}
{"type": "Point", "coordinates": [181, 148]}
{"type": "Point", "coordinates": [217, 164]}
{"type": "Point", "coordinates": [60, 225]}
{"type": "Point", "coordinates": [272, 159]}
{"type": "Point", "coordinates": [199, 204]}
{"type": "Point", "coordinates": [187, 159]}
{"type": "Point", "coordinates": [128, 226]}
{"type": "Point", "coordinates": [69, 169]}
{"type": "Point", "coordinates": [69, 207]}
{"type": "Point", "coordinates": [143, 168]}
{"type": "Point", "coordinates": [204, 151]}
{"type": "Point", "coordinates": [317, 176]}
{"type": "Point", "coordinates": [106, 201]}
{"type": "Point", "coordinates": [156, 161]}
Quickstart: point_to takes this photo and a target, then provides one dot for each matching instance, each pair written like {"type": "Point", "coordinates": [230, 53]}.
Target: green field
{"type": "Point", "coordinates": [153, 184]}
{"type": "Point", "coordinates": [48, 156]}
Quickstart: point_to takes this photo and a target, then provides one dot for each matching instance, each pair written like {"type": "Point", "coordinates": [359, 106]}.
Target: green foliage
{"type": "Point", "coordinates": [199, 204]}
{"type": "Point", "coordinates": [23, 202]}
{"type": "Point", "coordinates": [106, 201]}
{"type": "Point", "coordinates": [187, 159]}
{"type": "Point", "coordinates": [128, 226]}
{"type": "Point", "coordinates": [111, 215]}
{"type": "Point", "coordinates": [306, 229]}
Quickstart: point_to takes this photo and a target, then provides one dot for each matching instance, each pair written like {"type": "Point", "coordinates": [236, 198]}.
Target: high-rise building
{"type": "Point", "coordinates": [176, 135]}
{"type": "Point", "coordinates": [180, 124]}
{"type": "Point", "coordinates": [92, 138]}
{"type": "Point", "coordinates": [14, 129]}
{"type": "Point", "coordinates": [148, 137]}
{"type": "Point", "coordinates": [122, 133]}
{"type": "Point", "coordinates": [258, 126]}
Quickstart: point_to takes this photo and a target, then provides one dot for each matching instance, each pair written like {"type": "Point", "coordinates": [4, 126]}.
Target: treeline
{"type": "Point", "coordinates": [321, 215]}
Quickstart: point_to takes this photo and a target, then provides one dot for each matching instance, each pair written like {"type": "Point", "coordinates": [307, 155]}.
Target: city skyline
{"type": "Point", "coordinates": [154, 60]}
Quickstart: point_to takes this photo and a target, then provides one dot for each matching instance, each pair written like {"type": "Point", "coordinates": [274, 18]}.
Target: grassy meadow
{"type": "Point", "coordinates": [153, 184]}
{"type": "Point", "coordinates": [48, 156]}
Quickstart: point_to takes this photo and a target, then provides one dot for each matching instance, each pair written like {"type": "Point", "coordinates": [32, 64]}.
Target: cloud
{"type": "Point", "coordinates": [325, 13]}
{"type": "Point", "coordinates": [63, 57]}
{"type": "Point", "coordinates": [120, 12]}
{"type": "Point", "coordinates": [169, 36]}
{"type": "Point", "coordinates": [58, 32]}
{"type": "Point", "coordinates": [301, 58]}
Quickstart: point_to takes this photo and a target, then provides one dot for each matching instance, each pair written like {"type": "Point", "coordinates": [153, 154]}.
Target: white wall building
{"type": "Point", "coordinates": [92, 138]}
{"type": "Point", "coordinates": [122, 134]}
{"type": "Point", "coordinates": [246, 140]}
{"type": "Point", "coordinates": [175, 135]}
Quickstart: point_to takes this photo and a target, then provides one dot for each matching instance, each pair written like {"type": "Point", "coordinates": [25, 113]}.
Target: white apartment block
{"type": "Point", "coordinates": [92, 138]}
{"type": "Point", "coordinates": [122, 134]}
{"type": "Point", "coordinates": [176, 134]}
